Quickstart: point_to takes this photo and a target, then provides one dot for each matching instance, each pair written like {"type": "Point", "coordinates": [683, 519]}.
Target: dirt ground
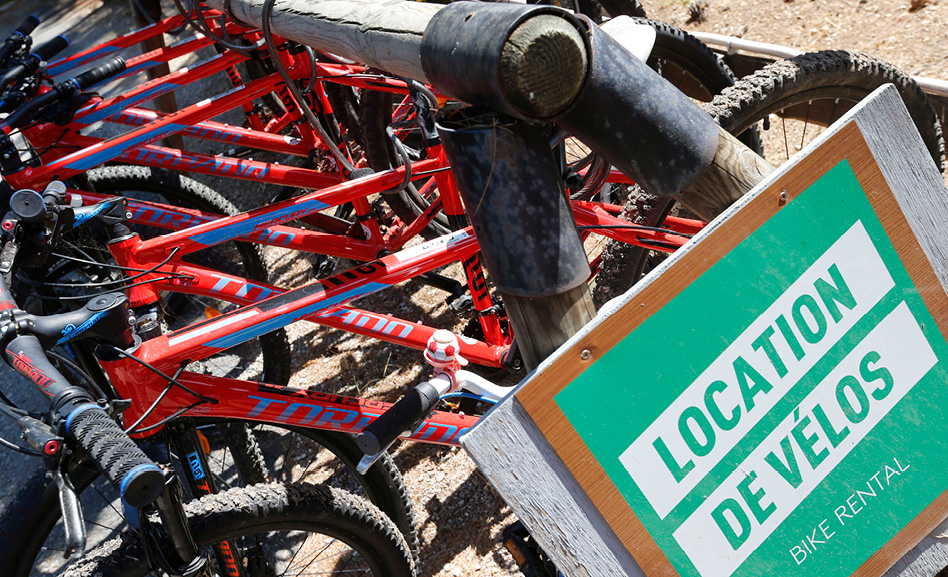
{"type": "Point", "coordinates": [908, 33]}
{"type": "Point", "coordinates": [460, 517]}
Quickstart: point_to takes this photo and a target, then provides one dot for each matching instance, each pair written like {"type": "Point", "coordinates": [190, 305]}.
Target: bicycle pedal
{"type": "Point", "coordinates": [526, 552]}
{"type": "Point", "coordinates": [462, 305]}
{"type": "Point", "coordinates": [324, 266]}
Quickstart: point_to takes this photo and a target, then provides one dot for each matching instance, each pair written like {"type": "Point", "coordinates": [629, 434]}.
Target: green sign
{"type": "Point", "coordinates": [783, 413]}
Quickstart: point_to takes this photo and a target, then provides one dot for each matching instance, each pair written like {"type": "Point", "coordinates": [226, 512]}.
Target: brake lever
{"type": "Point", "coordinates": [8, 254]}
{"type": "Point", "coordinates": [42, 438]}
{"type": "Point", "coordinates": [73, 522]}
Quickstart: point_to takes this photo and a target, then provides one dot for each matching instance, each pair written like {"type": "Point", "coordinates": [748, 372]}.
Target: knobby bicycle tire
{"type": "Point", "coordinates": [240, 513]}
{"type": "Point", "coordinates": [814, 88]}
{"type": "Point", "coordinates": [382, 484]}
{"type": "Point", "coordinates": [788, 88]}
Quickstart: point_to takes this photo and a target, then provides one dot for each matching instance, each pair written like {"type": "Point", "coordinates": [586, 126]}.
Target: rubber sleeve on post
{"type": "Point", "coordinates": [137, 478]}
{"type": "Point", "coordinates": [402, 416]}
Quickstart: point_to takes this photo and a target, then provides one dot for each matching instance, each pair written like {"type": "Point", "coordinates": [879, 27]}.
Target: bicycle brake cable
{"type": "Point", "coordinates": [295, 91]}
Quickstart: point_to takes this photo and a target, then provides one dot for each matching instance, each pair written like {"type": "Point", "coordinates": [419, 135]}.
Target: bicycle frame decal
{"type": "Point", "coordinates": [71, 331]}
{"type": "Point", "coordinates": [62, 66]}
{"type": "Point", "coordinates": [197, 471]}
{"type": "Point", "coordinates": [86, 159]}
{"type": "Point", "coordinates": [219, 165]}
{"type": "Point", "coordinates": [262, 221]}
{"type": "Point", "coordinates": [360, 319]}
{"type": "Point", "coordinates": [25, 367]}
{"type": "Point", "coordinates": [247, 289]}
{"type": "Point", "coordinates": [335, 412]}
{"type": "Point", "coordinates": [158, 216]}
{"type": "Point", "coordinates": [81, 217]}
{"type": "Point", "coordinates": [96, 112]}
{"type": "Point", "coordinates": [274, 323]}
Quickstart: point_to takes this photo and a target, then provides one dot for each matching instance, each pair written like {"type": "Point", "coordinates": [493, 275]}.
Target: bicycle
{"type": "Point", "coordinates": [80, 425]}
{"type": "Point", "coordinates": [185, 220]}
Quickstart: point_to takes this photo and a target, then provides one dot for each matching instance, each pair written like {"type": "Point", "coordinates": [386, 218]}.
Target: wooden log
{"type": "Point", "coordinates": [734, 171]}
{"type": "Point", "coordinates": [385, 34]}
{"type": "Point", "coordinates": [522, 64]}
{"type": "Point", "coordinates": [542, 324]}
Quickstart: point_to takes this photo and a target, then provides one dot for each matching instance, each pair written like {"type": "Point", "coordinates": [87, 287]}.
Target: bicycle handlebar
{"type": "Point", "coordinates": [18, 37]}
{"type": "Point", "coordinates": [50, 49]}
{"type": "Point", "coordinates": [26, 112]}
{"type": "Point", "coordinates": [404, 416]}
{"type": "Point", "coordinates": [31, 63]}
{"type": "Point", "coordinates": [27, 26]}
{"type": "Point", "coordinates": [139, 480]}
{"type": "Point", "coordinates": [112, 67]}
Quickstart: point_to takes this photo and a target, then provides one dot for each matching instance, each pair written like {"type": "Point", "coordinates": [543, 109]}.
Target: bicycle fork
{"type": "Point", "coordinates": [186, 443]}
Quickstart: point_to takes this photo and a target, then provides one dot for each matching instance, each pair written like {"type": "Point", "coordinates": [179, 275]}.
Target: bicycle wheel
{"type": "Point", "coordinates": [32, 536]}
{"type": "Point", "coordinates": [296, 454]}
{"type": "Point", "coordinates": [266, 359]}
{"type": "Point", "coordinates": [792, 101]}
{"type": "Point", "coordinates": [789, 102]}
{"type": "Point", "coordinates": [282, 529]}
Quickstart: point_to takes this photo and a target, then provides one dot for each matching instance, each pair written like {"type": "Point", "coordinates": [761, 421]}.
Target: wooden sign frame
{"type": "Point", "coordinates": [536, 459]}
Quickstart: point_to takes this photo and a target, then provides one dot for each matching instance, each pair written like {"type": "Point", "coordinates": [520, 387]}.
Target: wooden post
{"type": "Point", "coordinates": [735, 170]}
{"type": "Point", "coordinates": [165, 102]}
{"type": "Point", "coordinates": [524, 225]}
{"type": "Point", "coordinates": [542, 324]}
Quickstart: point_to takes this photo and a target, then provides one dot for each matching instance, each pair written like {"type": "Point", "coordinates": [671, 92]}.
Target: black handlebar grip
{"type": "Point", "coordinates": [28, 25]}
{"type": "Point", "coordinates": [139, 480]}
{"type": "Point", "coordinates": [51, 48]}
{"type": "Point", "coordinates": [402, 416]}
{"type": "Point", "coordinates": [108, 69]}
{"type": "Point", "coordinates": [17, 38]}
{"type": "Point", "coordinates": [24, 113]}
